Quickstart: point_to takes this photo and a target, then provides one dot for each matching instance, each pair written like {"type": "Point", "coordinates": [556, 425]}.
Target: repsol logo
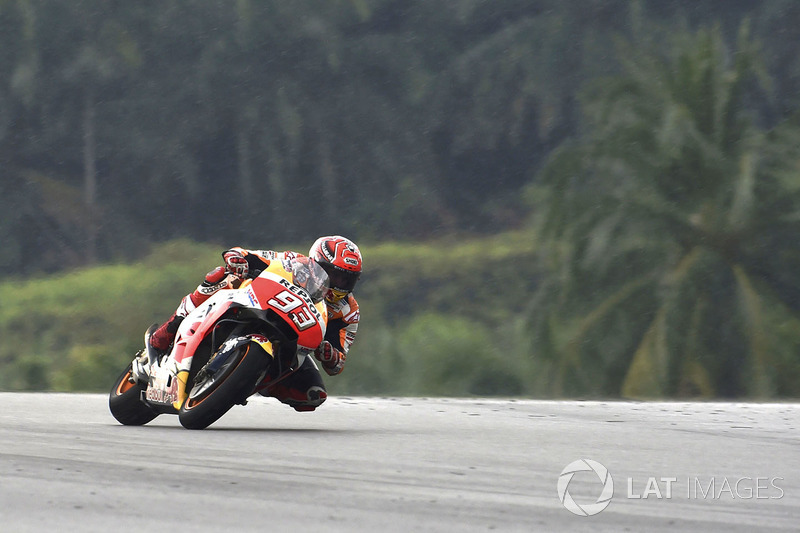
{"type": "Point", "coordinates": [301, 292]}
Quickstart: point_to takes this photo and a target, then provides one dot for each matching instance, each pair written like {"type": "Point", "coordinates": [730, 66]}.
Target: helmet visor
{"type": "Point", "coordinates": [340, 279]}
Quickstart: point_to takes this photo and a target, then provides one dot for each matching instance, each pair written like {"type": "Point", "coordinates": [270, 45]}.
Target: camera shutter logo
{"type": "Point", "coordinates": [585, 465]}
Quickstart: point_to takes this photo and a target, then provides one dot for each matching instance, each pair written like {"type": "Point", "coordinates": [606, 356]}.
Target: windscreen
{"type": "Point", "coordinates": [308, 274]}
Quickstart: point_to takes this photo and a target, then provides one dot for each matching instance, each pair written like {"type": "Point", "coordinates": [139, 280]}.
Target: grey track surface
{"type": "Point", "coordinates": [369, 464]}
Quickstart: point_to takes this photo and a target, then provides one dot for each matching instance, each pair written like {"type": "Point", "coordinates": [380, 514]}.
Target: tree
{"type": "Point", "coordinates": [669, 231]}
{"type": "Point", "coordinates": [507, 95]}
{"type": "Point", "coordinates": [70, 60]}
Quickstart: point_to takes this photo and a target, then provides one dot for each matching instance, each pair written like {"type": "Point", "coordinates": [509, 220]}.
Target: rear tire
{"type": "Point", "coordinates": [232, 384]}
{"type": "Point", "coordinates": [125, 402]}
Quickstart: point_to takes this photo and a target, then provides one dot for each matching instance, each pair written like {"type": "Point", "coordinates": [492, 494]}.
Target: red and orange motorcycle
{"type": "Point", "coordinates": [238, 342]}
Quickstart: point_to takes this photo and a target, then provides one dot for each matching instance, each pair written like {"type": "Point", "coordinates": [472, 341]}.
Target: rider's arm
{"type": "Point", "coordinates": [255, 260]}
{"type": "Point", "coordinates": [339, 335]}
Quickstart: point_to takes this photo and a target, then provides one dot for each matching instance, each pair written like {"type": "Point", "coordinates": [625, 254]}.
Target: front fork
{"type": "Point", "coordinates": [182, 378]}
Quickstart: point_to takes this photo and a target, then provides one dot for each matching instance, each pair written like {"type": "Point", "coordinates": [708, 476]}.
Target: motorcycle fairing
{"type": "Point", "coordinates": [272, 291]}
{"type": "Point", "coordinates": [277, 292]}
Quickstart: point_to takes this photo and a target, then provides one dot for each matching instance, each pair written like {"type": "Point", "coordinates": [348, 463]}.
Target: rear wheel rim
{"type": "Point", "coordinates": [124, 384]}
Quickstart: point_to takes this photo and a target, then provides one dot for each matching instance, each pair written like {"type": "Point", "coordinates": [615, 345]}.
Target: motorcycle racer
{"type": "Point", "coordinates": [341, 259]}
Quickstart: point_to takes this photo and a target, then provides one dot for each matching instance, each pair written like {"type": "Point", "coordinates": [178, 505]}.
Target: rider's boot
{"type": "Point", "coordinates": [158, 341]}
{"type": "Point", "coordinates": [161, 339]}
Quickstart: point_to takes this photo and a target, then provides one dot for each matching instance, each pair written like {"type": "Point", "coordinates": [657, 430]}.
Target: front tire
{"type": "Point", "coordinates": [231, 384]}
{"type": "Point", "coordinates": [125, 402]}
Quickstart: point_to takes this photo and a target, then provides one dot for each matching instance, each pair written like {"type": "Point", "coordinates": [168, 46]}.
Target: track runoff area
{"type": "Point", "coordinates": [403, 464]}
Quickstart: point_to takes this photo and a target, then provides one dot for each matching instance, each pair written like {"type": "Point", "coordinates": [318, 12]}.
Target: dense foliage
{"type": "Point", "coordinates": [672, 232]}
{"type": "Point", "coordinates": [556, 198]}
{"type": "Point", "coordinates": [123, 123]}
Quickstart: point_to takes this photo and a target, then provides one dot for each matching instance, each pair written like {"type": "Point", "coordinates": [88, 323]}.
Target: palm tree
{"type": "Point", "coordinates": [670, 230]}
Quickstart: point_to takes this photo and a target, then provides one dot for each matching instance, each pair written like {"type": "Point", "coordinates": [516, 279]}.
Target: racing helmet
{"type": "Point", "coordinates": [341, 259]}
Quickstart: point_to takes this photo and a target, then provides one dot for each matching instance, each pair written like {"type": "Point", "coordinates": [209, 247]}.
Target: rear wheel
{"type": "Point", "coordinates": [125, 402]}
{"type": "Point", "coordinates": [211, 398]}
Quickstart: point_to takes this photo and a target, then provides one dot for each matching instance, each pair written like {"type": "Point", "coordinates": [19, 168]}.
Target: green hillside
{"type": "Point", "coordinates": [437, 318]}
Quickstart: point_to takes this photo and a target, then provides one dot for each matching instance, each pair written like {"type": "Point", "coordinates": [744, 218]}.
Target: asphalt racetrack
{"type": "Point", "coordinates": [386, 465]}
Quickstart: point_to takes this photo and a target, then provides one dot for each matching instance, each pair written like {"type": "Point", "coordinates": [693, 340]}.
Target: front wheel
{"type": "Point", "coordinates": [125, 402]}
{"type": "Point", "coordinates": [231, 384]}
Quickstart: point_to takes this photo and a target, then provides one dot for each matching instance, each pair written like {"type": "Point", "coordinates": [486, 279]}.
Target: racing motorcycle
{"type": "Point", "coordinates": [238, 342]}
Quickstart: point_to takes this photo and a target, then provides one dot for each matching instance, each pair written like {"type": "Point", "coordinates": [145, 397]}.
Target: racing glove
{"type": "Point", "coordinates": [236, 264]}
{"type": "Point", "coordinates": [332, 359]}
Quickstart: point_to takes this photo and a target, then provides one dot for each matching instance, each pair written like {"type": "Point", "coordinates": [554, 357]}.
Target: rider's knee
{"type": "Point", "coordinates": [315, 396]}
